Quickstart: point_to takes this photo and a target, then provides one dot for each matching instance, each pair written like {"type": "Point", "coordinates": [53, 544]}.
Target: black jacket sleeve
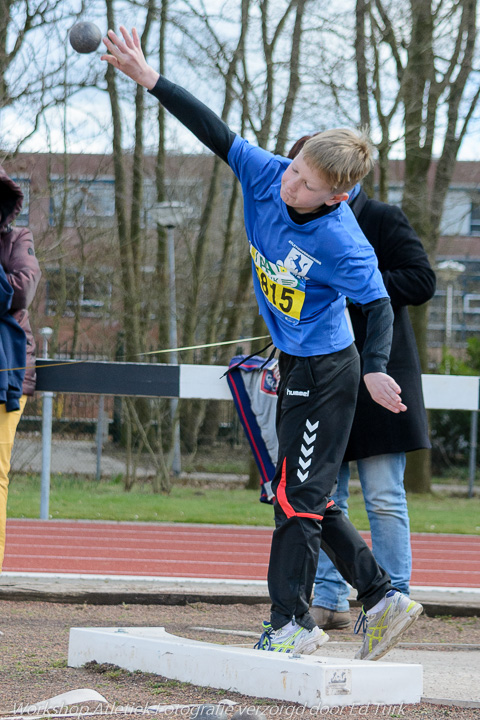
{"type": "Point", "coordinates": [403, 262]}
{"type": "Point", "coordinates": [194, 115]}
{"type": "Point", "coordinates": [378, 340]}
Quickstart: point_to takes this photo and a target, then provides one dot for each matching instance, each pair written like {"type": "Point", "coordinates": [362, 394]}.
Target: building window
{"type": "Point", "coordinates": [471, 304]}
{"type": "Point", "coordinates": [86, 203]}
{"type": "Point", "coordinates": [71, 292]}
{"type": "Point", "coordinates": [23, 218]}
{"type": "Point", "coordinates": [475, 218]}
{"type": "Point", "coordinates": [188, 192]}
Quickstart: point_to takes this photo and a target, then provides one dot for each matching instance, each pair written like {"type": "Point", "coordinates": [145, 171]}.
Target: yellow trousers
{"type": "Point", "coordinates": [8, 427]}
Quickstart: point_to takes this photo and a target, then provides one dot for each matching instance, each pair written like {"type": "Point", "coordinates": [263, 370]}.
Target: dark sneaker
{"type": "Point", "coordinates": [330, 619]}
{"type": "Point", "coordinates": [291, 638]}
{"type": "Point", "coordinates": [382, 630]}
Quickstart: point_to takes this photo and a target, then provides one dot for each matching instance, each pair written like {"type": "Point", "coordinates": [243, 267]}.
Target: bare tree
{"type": "Point", "coordinates": [193, 412]}
{"type": "Point", "coordinates": [129, 264]}
{"type": "Point", "coordinates": [130, 234]}
{"type": "Point", "coordinates": [413, 67]}
{"type": "Point", "coordinates": [33, 62]}
{"type": "Point", "coordinates": [425, 51]}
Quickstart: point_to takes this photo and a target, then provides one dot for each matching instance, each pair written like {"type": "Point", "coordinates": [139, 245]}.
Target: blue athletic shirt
{"type": "Point", "coordinates": [302, 273]}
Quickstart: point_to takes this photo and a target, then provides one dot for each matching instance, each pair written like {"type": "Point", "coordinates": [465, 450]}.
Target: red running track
{"type": "Point", "coordinates": [197, 551]}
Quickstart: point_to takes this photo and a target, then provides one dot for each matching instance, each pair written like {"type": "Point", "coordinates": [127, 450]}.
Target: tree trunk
{"type": "Point", "coordinates": [161, 274]}
{"type": "Point", "coordinates": [418, 472]}
{"type": "Point", "coordinates": [129, 285]}
{"type": "Point", "coordinates": [253, 482]}
{"type": "Point", "coordinates": [362, 80]}
{"type": "Point", "coordinates": [161, 287]}
{"type": "Point", "coordinates": [419, 320]}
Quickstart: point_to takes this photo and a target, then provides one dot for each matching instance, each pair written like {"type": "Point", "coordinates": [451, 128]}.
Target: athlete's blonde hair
{"type": "Point", "coordinates": [341, 155]}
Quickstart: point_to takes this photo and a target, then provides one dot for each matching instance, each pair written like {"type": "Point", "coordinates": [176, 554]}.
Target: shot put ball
{"type": "Point", "coordinates": [85, 37]}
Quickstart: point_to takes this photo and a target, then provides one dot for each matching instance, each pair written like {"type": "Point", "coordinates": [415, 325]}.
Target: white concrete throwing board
{"type": "Point", "coordinates": [311, 680]}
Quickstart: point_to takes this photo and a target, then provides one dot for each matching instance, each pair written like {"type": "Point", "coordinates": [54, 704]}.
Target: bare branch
{"type": "Point", "coordinates": [463, 29]}
{"type": "Point", "coordinates": [388, 36]}
{"type": "Point", "coordinates": [282, 21]}
{"type": "Point", "coordinates": [294, 81]}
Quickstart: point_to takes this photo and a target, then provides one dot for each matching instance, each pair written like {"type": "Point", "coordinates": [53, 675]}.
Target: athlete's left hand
{"type": "Point", "coordinates": [385, 391]}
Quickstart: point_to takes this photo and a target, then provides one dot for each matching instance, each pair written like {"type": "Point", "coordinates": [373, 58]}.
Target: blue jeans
{"type": "Point", "coordinates": [381, 478]}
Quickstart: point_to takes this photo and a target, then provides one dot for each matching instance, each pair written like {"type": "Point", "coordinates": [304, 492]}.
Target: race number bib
{"type": "Point", "coordinates": [284, 291]}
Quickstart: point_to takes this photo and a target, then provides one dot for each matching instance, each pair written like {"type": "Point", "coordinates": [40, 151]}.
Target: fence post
{"type": "Point", "coordinates": [100, 422]}
{"type": "Point", "coordinates": [473, 452]}
{"type": "Point", "coordinates": [47, 415]}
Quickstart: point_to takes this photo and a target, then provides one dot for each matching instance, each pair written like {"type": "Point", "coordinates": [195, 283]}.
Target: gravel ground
{"type": "Point", "coordinates": [34, 646]}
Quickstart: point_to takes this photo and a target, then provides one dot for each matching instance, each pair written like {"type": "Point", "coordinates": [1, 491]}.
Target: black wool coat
{"type": "Point", "coordinates": [409, 280]}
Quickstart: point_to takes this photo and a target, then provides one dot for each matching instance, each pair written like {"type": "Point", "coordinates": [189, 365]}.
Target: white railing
{"type": "Point", "coordinates": [207, 382]}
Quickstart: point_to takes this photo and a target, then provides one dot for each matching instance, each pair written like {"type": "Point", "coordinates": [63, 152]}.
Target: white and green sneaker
{"type": "Point", "coordinates": [291, 638]}
{"type": "Point", "coordinates": [382, 629]}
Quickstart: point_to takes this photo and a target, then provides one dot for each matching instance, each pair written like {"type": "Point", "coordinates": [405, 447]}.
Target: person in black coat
{"type": "Point", "coordinates": [379, 440]}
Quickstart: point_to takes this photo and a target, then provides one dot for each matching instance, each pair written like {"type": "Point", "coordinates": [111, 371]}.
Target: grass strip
{"type": "Point", "coordinates": [75, 498]}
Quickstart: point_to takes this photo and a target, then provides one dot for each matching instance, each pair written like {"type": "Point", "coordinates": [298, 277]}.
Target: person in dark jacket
{"type": "Point", "coordinates": [19, 277]}
{"type": "Point", "coordinates": [379, 440]}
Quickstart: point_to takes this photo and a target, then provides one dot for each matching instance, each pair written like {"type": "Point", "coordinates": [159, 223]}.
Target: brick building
{"type": "Point", "coordinates": [73, 222]}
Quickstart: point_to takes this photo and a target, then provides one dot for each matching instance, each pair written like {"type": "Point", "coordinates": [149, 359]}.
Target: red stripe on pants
{"type": "Point", "coordinates": [285, 505]}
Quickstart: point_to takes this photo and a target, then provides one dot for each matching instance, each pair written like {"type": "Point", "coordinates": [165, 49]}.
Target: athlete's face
{"type": "Point", "coordinates": [305, 189]}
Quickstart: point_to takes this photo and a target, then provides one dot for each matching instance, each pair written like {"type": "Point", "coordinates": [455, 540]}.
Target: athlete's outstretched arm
{"type": "Point", "coordinates": [127, 56]}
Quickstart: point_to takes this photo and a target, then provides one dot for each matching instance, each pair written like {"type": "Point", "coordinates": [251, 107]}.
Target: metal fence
{"type": "Point", "coordinates": [87, 430]}
{"type": "Point", "coordinates": [67, 430]}
{"type": "Point", "coordinates": [87, 437]}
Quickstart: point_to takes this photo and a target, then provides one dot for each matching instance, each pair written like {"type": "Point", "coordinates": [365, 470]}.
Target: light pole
{"type": "Point", "coordinates": [449, 270]}
{"type": "Point", "coordinates": [169, 215]}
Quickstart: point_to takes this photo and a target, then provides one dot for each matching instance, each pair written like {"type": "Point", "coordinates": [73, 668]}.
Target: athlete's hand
{"type": "Point", "coordinates": [127, 55]}
{"type": "Point", "coordinates": [385, 391]}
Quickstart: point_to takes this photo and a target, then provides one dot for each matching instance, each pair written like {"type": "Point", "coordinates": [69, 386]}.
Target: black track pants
{"type": "Point", "coordinates": [316, 403]}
